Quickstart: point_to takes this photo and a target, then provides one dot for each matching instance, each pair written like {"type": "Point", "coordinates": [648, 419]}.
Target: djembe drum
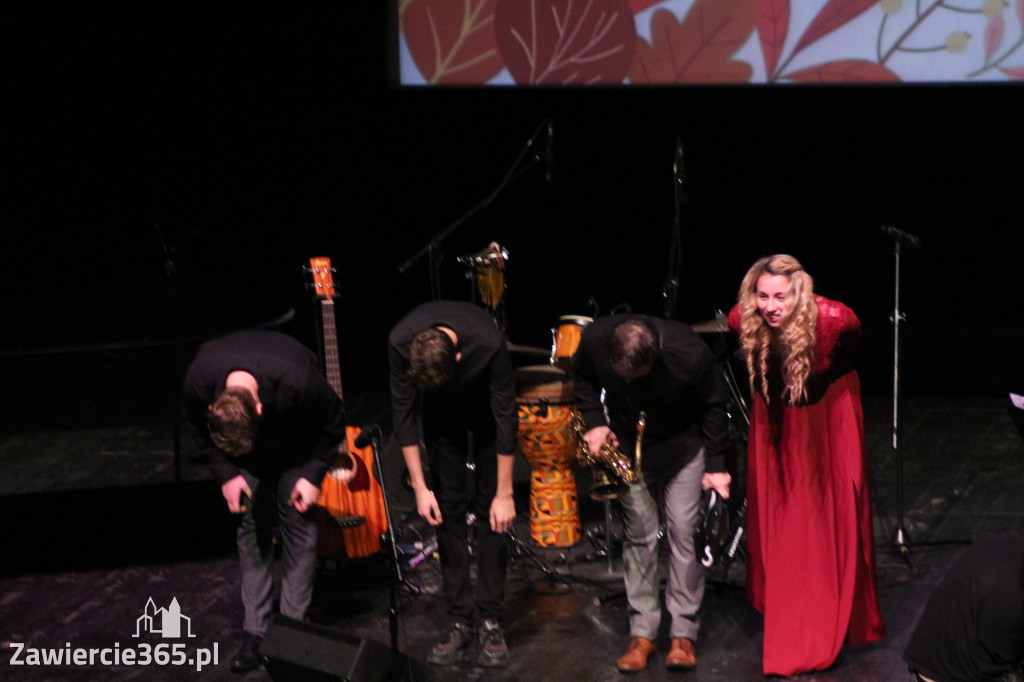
{"type": "Point", "coordinates": [545, 398]}
{"type": "Point", "coordinates": [565, 338]}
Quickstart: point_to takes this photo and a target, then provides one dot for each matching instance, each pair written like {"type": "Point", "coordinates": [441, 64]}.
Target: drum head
{"type": "Point", "coordinates": [537, 382]}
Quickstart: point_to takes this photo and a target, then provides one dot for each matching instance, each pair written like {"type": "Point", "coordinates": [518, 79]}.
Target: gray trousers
{"type": "Point", "coordinates": [684, 588]}
{"type": "Point", "coordinates": [298, 533]}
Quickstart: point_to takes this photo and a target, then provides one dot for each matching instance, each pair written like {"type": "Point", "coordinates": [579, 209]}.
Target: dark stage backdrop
{"type": "Point", "coordinates": [167, 172]}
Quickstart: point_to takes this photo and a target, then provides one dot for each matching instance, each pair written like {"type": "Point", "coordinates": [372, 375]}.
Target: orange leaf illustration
{"type": "Point", "coordinates": [452, 43]}
{"type": "Point", "coordinates": [772, 27]}
{"type": "Point", "coordinates": [832, 16]}
{"type": "Point", "coordinates": [567, 42]}
{"type": "Point", "coordinates": [845, 71]}
{"type": "Point", "coordinates": [698, 49]}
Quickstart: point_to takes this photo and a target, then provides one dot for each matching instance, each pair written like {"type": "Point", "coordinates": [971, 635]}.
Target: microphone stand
{"type": "Point", "coordinates": [523, 162]}
{"type": "Point", "coordinates": [901, 541]}
{"type": "Point", "coordinates": [671, 286]}
{"type": "Point", "coordinates": [397, 660]}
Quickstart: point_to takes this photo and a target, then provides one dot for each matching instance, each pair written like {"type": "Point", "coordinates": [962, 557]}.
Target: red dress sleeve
{"type": "Point", "coordinates": [838, 332]}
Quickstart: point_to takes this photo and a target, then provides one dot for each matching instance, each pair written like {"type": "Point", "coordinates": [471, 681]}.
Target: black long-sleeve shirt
{"type": "Point", "coordinates": [683, 397]}
{"type": "Point", "coordinates": [484, 364]}
{"type": "Point", "coordinates": [973, 625]}
{"type": "Point", "coordinates": [302, 421]}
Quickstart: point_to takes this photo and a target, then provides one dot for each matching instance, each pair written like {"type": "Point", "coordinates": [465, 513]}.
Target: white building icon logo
{"type": "Point", "coordinates": [166, 622]}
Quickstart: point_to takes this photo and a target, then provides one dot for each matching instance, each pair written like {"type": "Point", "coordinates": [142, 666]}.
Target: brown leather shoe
{"type": "Point", "coordinates": [636, 657]}
{"type": "Point", "coordinates": [682, 656]}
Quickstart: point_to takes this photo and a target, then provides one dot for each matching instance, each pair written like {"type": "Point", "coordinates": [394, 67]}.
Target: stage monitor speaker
{"type": "Point", "coordinates": [295, 650]}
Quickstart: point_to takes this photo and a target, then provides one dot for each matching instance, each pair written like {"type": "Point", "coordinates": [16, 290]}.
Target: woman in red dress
{"type": "Point", "coordinates": [811, 556]}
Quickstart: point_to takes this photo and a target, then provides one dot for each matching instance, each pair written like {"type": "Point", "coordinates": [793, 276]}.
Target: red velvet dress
{"type": "Point", "coordinates": [810, 545]}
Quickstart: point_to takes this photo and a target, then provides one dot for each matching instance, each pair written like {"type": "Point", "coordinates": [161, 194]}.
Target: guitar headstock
{"type": "Point", "coordinates": [323, 277]}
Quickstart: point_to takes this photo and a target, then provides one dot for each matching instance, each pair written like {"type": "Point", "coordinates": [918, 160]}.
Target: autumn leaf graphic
{"type": "Point", "coordinates": [844, 71]}
{"type": "Point", "coordinates": [452, 43]}
{"type": "Point", "coordinates": [833, 15]}
{"type": "Point", "coordinates": [698, 49]}
{"type": "Point", "coordinates": [772, 27]}
{"type": "Point", "coordinates": [565, 42]}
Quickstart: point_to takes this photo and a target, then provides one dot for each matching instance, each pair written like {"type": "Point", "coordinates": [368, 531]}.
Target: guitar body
{"type": "Point", "coordinates": [362, 496]}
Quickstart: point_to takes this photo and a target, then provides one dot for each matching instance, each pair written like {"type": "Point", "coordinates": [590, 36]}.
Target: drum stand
{"type": "Point", "coordinates": [558, 581]}
{"type": "Point", "coordinates": [608, 551]}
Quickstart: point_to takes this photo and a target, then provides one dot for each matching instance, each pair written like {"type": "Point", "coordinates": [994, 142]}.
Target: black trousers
{"type": "Point", "coordinates": [465, 481]}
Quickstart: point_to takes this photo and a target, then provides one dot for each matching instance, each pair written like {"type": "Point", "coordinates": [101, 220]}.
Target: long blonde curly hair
{"type": "Point", "coordinates": [796, 334]}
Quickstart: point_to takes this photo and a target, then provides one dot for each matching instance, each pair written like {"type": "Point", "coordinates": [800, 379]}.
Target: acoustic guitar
{"type": "Point", "coordinates": [362, 496]}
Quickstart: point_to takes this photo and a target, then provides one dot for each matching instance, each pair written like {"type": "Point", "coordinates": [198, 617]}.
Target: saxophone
{"type": "Point", "coordinates": [612, 470]}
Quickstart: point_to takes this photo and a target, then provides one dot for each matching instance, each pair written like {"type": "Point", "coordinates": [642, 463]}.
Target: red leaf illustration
{"type": "Point", "coordinates": [772, 26]}
{"type": "Point", "coordinates": [1015, 73]}
{"type": "Point", "coordinates": [833, 15]}
{"type": "Point", "coordinates": [845, 71]}
{"type": "Point", "coordinates": [1020, 12]}
{"type": "Point", "coordinates": [700, 48]}
{"type": "Point", "coordinates": [568, 42]}
{"type": "Point", "coordinates": [452, 43]}
{"type": "Point", "coordinates": [994, 35]}
{"type": "Point", "coordinates": [639, 6]}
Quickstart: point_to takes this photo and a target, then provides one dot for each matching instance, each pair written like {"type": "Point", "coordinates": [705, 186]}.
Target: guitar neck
{"type": "Point", "coordinates": [330, 331]}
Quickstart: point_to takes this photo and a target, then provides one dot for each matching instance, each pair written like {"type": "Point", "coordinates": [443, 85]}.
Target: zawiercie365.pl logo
{"type": "Point", "coordinates": [167, 622]}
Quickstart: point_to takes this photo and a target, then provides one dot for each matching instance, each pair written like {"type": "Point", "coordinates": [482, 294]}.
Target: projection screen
{"type": "Point", "coordinates": [540, 43]}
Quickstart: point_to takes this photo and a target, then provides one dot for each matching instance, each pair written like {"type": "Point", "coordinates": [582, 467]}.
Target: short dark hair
{"type": "Point", "coordinates": [233, 421]}
{"type": "Point", "coordinates": [432, 360]}
{"type": "Point", "coordinates": [632, 344]}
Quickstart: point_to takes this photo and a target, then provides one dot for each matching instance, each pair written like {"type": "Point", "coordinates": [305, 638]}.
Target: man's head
{"type": "Point", "coordinates": [233, 419]}
{"type": "Point", "coordinates": [432, 358]}
{"type": "Point", "coordinates": [633, 346]}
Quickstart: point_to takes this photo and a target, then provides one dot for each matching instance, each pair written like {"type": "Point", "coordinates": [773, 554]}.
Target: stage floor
{"type": "Point", "coordinates": [98, 525]}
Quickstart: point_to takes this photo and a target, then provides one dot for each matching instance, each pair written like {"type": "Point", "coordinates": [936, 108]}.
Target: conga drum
{"type": "Point", "coordinates": [565, 338]}
{"type": "Point", "coordinates": [545, 400]}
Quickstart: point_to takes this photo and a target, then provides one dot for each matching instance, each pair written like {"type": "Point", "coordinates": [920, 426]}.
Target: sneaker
{"type": "Point", "coordinates": [493, 650]}
{"type": "Point", "coordinates": [248, 656]}
{"type": "Point", "coordinates": [452, 650]}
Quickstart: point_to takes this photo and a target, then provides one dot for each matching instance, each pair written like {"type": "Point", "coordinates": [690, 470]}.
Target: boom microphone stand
{"type": "Point", "coordinates": [523, 162]}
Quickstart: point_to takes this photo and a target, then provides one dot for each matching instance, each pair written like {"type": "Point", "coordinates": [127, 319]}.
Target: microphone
{"type": "Point", "coordinates": [548, 154]}
{"type": "Point", "coordinates": [679, 171]}
{"type": "Point", "coordinates": [366, 437]}
{"type": "Point", "coordinates": [902, 237]}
